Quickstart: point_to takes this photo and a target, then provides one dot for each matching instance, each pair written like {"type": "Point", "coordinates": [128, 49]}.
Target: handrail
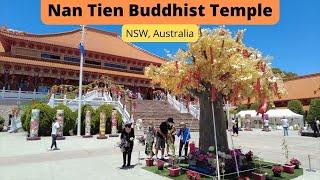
{"type": "Point", "coordinates": [193, 110]}
{"type": "Point", "coordinates": [107, 99]}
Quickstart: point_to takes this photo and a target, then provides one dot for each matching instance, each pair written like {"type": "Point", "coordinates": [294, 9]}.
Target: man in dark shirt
{"type": "Point", "coordinates": [162, 135]}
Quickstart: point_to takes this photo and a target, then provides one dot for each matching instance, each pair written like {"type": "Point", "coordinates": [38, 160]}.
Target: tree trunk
{"type": "Point", "coordinates": [206, 123]}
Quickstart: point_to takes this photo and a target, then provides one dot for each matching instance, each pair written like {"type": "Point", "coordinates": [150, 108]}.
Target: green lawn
{"type": "Point", "coordinates": [265, 166]}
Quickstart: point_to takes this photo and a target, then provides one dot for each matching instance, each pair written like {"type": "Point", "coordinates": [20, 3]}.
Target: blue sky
{"type": "Point", "coordinates": [293, 42]}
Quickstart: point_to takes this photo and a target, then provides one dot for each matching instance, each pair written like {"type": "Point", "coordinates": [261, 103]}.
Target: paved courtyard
{"type": "Point", "coordinates": [84, 159]}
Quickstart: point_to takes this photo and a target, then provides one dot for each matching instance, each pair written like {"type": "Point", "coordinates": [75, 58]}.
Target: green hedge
{"type": "Point", "coordinates": [1, 123]}
{"type": "Point", "coordinates": [314, 110]}
{"type": "Point", "coordinates": [96, 118]}
{"type": "Point", "coordinates": [47, 114]}
{"type": "Point", "coordinates": [69, 122]}
{"type": "Point", "coordinates": [46, 118]}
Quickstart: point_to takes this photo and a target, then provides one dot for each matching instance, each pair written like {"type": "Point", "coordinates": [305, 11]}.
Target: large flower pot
{"type": "Point", "coordinates": [174, 171]}
{"type": "Point", "coordinates": [160, 164]}
{"type": "Point", "coordinates": [149, 162]}
{"type": "Point", "coordinates": [277, 174]}
{"type": "Point", "coordinates": [288, 168]}
{"type": "Point", "coordinates": [296, 166]}
{"type": "Point", "coordinates": [259, 176]}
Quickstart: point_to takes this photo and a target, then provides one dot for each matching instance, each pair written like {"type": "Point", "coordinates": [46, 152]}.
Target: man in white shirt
{"type": "Point", "coordinates": [285, 125]}
{"type": "Point", "coordinates": [54, 130]}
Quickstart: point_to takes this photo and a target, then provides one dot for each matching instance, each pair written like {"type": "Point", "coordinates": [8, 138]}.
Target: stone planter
{"type": "Point", "coordinates": [288, 168]}
{"type": "Point", "coordinates": [259, 175]}
{"type": "Point", "coordinates": [149, 162]}
{"type": "Point", "coordinates": [174, 171]}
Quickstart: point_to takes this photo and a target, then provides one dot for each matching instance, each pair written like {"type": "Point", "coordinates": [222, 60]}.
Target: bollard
{"type": "Point", "coordinates": [310, 170]}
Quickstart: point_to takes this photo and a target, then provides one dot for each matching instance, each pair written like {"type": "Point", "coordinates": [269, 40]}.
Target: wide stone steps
{"type": "Point", "coordinates": [159, 111]}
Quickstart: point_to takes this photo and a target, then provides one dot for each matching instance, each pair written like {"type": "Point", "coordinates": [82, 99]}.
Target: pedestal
{"type": "Point", "coordinates": [33, 138]}
{"type": "Point", "coordinates": [102, 137]}
{"type": "Point", "coordinates": [60, 118]}
{"type": "Point", "coordinates": [87, 136]}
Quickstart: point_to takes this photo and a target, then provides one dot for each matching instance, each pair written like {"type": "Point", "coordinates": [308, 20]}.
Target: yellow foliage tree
{"type": "Point", "coordinates": [216, 68]}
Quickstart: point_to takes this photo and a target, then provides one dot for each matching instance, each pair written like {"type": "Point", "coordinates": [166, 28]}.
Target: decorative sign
{"type": "Point", "coordinates": [102, 134]}
{"type": "Point", "coordinates": [60, 117]}
{"type": "Point", "coordinates": [88, 123]}
{"type": "Point", "coordinates": [114, 122]}
{"type": "Point", "coordinates": [34, 124]}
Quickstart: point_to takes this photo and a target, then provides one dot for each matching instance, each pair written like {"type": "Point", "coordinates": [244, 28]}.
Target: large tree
{"type": "Point", "coordinates": [216, 68]}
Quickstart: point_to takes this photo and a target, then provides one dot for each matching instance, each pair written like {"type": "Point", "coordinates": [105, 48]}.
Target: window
{"type": "Point", "coordinates": [118, 66]}
{"type": "Point", "coordinates": [72, 59]}
{"type": "Point", "coordinates": [136, 68]}
{"type": "Point", "coordinates": [96, 63]}
{"type": "Point", "coordinates": [50, 56]}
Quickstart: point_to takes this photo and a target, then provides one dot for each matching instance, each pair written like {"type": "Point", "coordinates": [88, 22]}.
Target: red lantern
{"type": "Point", "coordinates": [258, 86]}
{"type": "Point", "coordinates": [177, 67]}
{"type": "Point", "coordinates": [263, 107]}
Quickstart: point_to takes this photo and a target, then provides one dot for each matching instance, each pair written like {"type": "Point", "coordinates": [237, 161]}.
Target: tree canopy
{"type": "Point", "coordinates": [314, 110]}
{"type": "Point", "coordinates": [222, 63]}
{"type": "Point", "coordinates": [296, 106]}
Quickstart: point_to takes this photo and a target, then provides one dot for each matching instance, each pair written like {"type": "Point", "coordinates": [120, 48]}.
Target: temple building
{"type": "Point", "coordinates": [302, 88]}
{"type": "Point", "coordinates": [36, 62]}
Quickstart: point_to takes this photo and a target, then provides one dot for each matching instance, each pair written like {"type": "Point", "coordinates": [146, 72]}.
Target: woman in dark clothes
{"type": "Point", "coordinates": [127, 138]}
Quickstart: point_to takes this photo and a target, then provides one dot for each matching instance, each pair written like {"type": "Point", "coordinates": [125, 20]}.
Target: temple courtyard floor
{"type": "Point", "coordinates": [85, 159]}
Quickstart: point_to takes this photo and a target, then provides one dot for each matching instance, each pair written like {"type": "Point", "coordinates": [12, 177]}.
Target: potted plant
{"type": "Point", "coordinates": [258, 174]}
{"type": "Point", "coordinates": [149, 161]}
{"type": "Point", "coordinates": [193, 175]}
{"type": "Point", "coordinates": [295, 162]}
{"type": "Point", "coordinates": [277, 169]}
{"type": "Point", "coordinates": [160, 164]}
{"type": "Point", "coordinates": [289, 168]}
{"type": "Point", "coordinates": [174, 170]}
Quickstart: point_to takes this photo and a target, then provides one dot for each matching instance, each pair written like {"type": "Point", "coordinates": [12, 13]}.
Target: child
{"type": "Point", "coordinates": [184, 134]}
{"type": "Point", "coordinates": [151, 132]}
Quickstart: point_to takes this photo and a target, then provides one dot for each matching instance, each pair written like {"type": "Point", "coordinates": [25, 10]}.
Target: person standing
{"type": "Point", "coordinates": [314, 126]}
{"type": "Point", "coordinates": [151, 132]}
{"type": "Point", "coordinates": [285, 125]}
{"type": "Point", "coordinates": [184, 134]}
{"type": "Point", "coordinates": [127, 138]}
{"type": "Point", "coordinates": [162, 134]}
{"type": "Point", "coordinates": [235, 127]}
{"type": "Point", "coordinates": [54, 129]}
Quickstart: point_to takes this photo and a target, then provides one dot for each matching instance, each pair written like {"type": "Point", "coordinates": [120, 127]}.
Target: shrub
{"type": "Point", "coordinates": [296, 106]}
{"type": "Point", "coordinates": [69, 118]}
{"type": "Point", "coordinates": [314, 110]}
{"type": "Point", "coordinates": [1, 123]}
{"type": "Point", "coordinates": [26, 116]}
{"type": "Point", "coordinates": [119, 121]}
{"type": "Point", "coordinates": [45, 120]}
{"type": "Point", "coordinates": [254, 106]}
{"type": "Point", "coordinates": [242, 107]}
{"type": "Point", "coordinates": [96, 118]}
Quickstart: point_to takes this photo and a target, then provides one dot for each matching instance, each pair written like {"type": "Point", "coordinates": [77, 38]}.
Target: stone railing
{"type": "Point", "coordinates": [22, 95]}
{"type": "Point", "coordinates": [194, 110]}
{"type": "Point", "coordinates": [95, 101]}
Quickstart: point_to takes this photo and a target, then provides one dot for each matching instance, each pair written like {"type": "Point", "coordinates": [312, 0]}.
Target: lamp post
{"type": "Point", "coordinates": [81, 47]}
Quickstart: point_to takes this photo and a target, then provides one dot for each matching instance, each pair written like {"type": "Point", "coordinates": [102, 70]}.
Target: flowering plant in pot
{"type": "Point", "coordinates": [289, 168]}
{"type": "Point", "coordinates": [174, 170]}
{"type": "Point", "coordinates": [277, 169]}
{"type": "Point", "coordinates": [193, 175]}
{"type": "Point", "coordinates": [295, 162]}
{"type": "Point", "coordinates": [259, 174]}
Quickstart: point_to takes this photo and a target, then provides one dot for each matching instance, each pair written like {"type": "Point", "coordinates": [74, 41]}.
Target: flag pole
{"type": "Point", "coordinates": [216, 142]}
{"type": "Point", "coordinates": [80, 81]}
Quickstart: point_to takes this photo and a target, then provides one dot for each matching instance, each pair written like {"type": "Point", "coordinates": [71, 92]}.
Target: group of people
{"type": "Point", "coordinates": [163, 138]}
{"type": "Point", "coordinates": [157, 139]}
